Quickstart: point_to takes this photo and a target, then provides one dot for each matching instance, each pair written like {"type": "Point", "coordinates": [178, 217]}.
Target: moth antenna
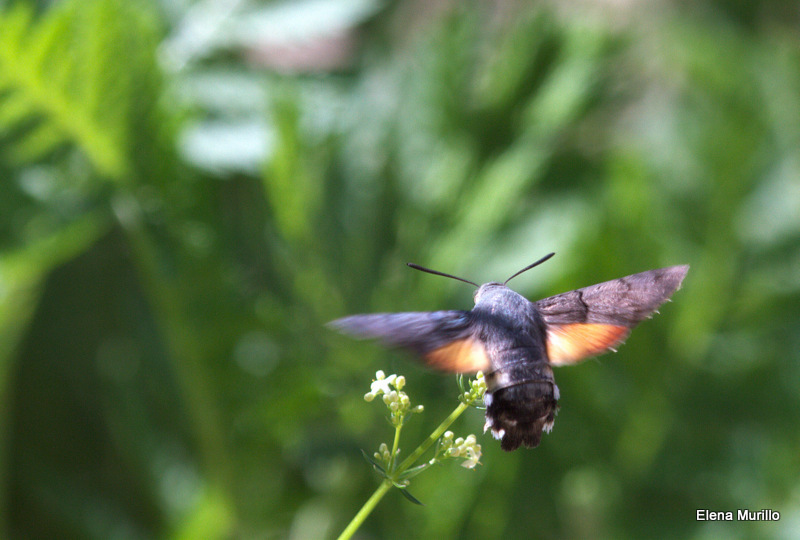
{"type": "Point", "coordinates": [537, 263]}
{"type": "Point", "coordinates": [428, 270]}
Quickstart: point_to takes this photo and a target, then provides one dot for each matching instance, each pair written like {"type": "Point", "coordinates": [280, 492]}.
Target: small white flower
{"type": "Point", "coordinates": [391, 398]}
{"type": "Point", "coordinates": [383, 453]}
{"type": "Point", "coordinates": [473, 455]}
{"type": "Point", "coordinates": [380, 385]}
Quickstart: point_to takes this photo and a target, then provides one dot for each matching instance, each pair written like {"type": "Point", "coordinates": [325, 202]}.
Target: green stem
{"type": "Point", "coordinates": [362, 514]}
{"type": "Point", "coordinates": [432, 438]}
{"type": "Point", "coordinates": [395, 444]}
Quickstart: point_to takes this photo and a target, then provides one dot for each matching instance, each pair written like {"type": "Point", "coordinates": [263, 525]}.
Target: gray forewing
{"type": "Point", "coordinates": [421, 331]}
{"type": "Point", "coordinates": [625, 301]}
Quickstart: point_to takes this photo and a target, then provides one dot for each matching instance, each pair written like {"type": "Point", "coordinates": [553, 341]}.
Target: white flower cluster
{"type": "Point", "coordinates": [477, 389]}
{"type": "Point", "coordinates": [391, 388]}
{"type": "Point", "coordinates": [468, 448]}
{"type": "Point", "coordinates": [383, 454]}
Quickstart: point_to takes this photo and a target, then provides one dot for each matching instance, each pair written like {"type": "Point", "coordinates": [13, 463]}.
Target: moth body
{"type": "Point", "coordinates": [521, 397]}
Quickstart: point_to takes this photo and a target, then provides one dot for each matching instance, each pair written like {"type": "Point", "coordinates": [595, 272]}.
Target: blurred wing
{"type": "Point", "coordinates": [443, 339]}
{"type": "Point", "coordinates": [589, 321]}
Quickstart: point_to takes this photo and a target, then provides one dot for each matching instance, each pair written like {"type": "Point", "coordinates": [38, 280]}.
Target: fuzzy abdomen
{"type": "Point", "coordinates": [521, 399]}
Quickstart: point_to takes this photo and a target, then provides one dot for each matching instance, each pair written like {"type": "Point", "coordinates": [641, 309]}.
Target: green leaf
{"type": "Point", "coordinates": [413, 471]}
{"type": "Point", "coordinates": [62, 81]}
{"type": "Point", "coordinates": [374, 464]}
{"type": "Point", "coordinates": [409, 496]}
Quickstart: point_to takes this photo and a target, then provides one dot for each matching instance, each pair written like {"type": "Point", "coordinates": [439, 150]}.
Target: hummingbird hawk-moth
{"type": "Point", "coordinates": [516, 342]}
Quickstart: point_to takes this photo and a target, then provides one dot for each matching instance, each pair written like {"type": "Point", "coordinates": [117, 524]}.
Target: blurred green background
{"type": "Point", "coordinates": [191, 189]}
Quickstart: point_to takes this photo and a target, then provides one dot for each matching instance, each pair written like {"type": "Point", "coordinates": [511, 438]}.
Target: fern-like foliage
{"type": "Point", "coordinates": [67, 80]}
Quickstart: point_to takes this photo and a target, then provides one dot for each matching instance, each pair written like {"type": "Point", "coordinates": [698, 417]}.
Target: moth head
{"type": "Point", "coordinates": [487, 291]}
{"type": "Point", "coordinates": [492, 289]}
